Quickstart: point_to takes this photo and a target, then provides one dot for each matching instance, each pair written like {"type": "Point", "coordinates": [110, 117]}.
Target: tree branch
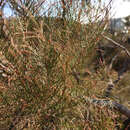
{"type": "Point", "coordinates": [111, 104]}
{"type": "Point", "coordinates": [117, 44]}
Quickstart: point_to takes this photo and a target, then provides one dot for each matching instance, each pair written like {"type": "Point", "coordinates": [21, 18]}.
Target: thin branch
{"type": "Point", "coordinates": [117, 44]}
{"type": "Point", "coordinates": [112, 61]}
{"type": "Point", "coordinates": [109, 88]}
{"type": "Point", "coordinates": [122, 109]}
{"type": "Point", "coordinates": [111, 104]}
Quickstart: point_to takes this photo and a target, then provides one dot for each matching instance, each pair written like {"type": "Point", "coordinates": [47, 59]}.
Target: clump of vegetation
{"type": "Point", "coordinates": [46, 68]}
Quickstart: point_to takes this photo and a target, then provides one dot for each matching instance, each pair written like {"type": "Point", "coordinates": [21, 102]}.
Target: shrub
{"type": "Point", "coordinates": [40, 90]}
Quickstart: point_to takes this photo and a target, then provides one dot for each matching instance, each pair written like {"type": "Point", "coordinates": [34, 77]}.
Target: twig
{"type": "Point", "coordinates": [109, 88]}
{"type": "Point", "coordinates": [117, 44]}
{"type": "Point", "coordinates": [122, 109]}
{"type": "Point", "coordinates": [111, 83]}
{"type": "Point", "coordinates": [112, 61]}
{"type": "Point", "coordinates": [111, 104]}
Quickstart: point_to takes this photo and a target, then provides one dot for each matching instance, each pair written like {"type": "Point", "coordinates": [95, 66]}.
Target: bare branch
{"type": "Point", "coordinates": [111, 104]}
{"type": "Point", "coordinates": [122, 109]}
{"type": "Point", "coordinates": [117, 44]}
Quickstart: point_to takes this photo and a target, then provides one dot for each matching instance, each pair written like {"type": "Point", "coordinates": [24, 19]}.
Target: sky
{"type": "Point", "coordinates": [7, 11]}
{"type": "Point", "coordinates": [120, 8]}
